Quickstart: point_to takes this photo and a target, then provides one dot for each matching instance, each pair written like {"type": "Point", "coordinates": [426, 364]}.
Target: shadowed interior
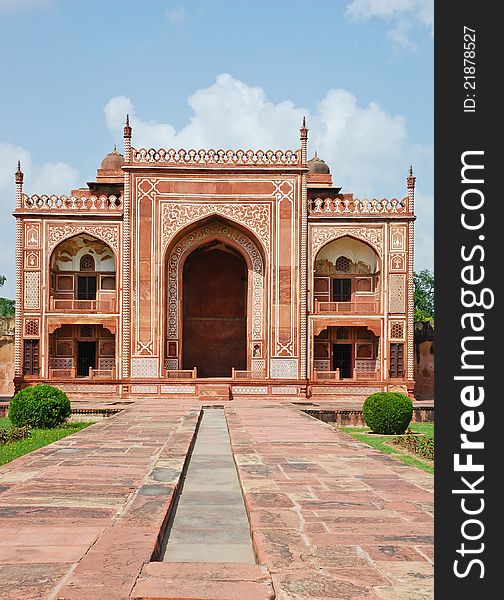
{"type": "Point", "coordinates": [215, 309]}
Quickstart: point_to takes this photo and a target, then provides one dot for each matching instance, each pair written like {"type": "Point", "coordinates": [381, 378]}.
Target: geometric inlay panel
{"type": "Point", "coordinates": [32, 290]}
{"type": "Point", "coordinates": [397, 330]}
{"type": "Point", "coordinates": [31, 327]}
{"type": "Point", "coordinates": [284, 368]}
{"type": "Point", "coordinates": [397, 293]}
{"type": "Point", "coordinates": [142, 368]}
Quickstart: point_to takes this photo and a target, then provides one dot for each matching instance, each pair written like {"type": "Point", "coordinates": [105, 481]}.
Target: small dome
{"type": "Point", "coordinates": [112, 162]}
{"type": "Point", "coordinates": [318, 166]}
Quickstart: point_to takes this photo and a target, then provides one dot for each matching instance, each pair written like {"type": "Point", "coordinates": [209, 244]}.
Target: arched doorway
{"type": "Point", "coordinates": [215, 310]}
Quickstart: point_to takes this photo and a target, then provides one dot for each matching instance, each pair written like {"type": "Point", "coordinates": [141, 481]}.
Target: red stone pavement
{"type": "Point", "coordinates": [330, 517]}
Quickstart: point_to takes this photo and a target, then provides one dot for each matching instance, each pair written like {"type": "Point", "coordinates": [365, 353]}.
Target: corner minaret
{"type": "Point", "coordinates": [19, 176]}
{"type": "Point", "coordinates": [303, 136]}
{"type": "Point", "coordinates": [411, 190]}
{"type": "Point", "coordinates": [127, 141]}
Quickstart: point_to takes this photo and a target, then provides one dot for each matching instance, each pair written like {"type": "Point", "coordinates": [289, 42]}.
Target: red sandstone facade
{"type": "Point", "coordinates": [214, 273]}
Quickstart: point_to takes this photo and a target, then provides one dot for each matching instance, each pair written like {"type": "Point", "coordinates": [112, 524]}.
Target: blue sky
{"type": "Point", "coordinates": [222, 73]}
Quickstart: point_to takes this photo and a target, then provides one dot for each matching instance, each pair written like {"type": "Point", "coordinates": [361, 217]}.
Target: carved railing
{"type": "Point", "coordinates": [101, 373]}
{"type": "Point", "coordinates": [356, 375]}
{"type": "Point", "coordinates": [73, 203]}
{"type": "Point", "coordinates": [353, 206]}
{"type": "Point", "coordinates": [181, 373]}
{"type": "Point", "coordinates": [70, 373]}
{"type": "Point", "coordinates": [326, 375]}
{"type": "Point", "coordinates": [212, 157]}
{"type": "Point", "coordinates": [239, 374]}
{"type": "Point", "coordinates": [369, 305]}
{"type": "Point", "coordinates": [82, 306]}
{"type": "Point", "coordinates": [61, 373]}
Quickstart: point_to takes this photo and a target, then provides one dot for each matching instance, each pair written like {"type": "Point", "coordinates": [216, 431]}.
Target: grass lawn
{"type": "Point", "coordinates": [37, 439]}
{"type": "Point", "coordinates": [378, 441]}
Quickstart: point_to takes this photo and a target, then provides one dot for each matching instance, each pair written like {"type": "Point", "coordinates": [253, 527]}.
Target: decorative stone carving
{"type": "Point", "coordinates": [32, 259]}
{"type": "Point", "coordinates": [397, 262]}
{"type": "Point", "coordinates": [251, 390]}
{"type": "Point", "coordinates": [144, 368]}
{"type": "Point", "coordinates": [176, 216]}
{"type": "Point", "coordinates": [397, 330]}
{"type": "Point", "coordinates": [32, 235]}
{"type": "Point", "coordinates": [321, 235]}
{"type": "Point", "coordinates": [397, 293]}
{"type": "Point", "coordinates": [32, 289]}
{"type": "Point", "coordinates": [398, 238]}
{"type": "Point", "coordinates": [107, 233]}
{"type": "Point", "coordinates": [197, 237]}
{"type": "Point", "coordinates": [284, 368]}
{"type": "Point", "coordinates": [288, 390]}
{"type": "Point", "coordinates": [178, 389]}
{"type": "Point", "coordinates": [32, 327]}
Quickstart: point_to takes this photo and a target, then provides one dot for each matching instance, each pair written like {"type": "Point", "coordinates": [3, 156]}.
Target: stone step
{"type": "Point", "coordinates": [203, 581]}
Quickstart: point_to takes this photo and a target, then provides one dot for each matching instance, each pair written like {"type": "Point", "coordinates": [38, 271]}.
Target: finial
{"type": "Point", "coordinates": [316, 155]}
{"type": "Point", "coordinates": [304, 121]}
{"type": "Point", "coordinates": [115, 148]}
{"type": "Point", "coordinates": [127, 128]}
{"type": "Point", "coordinates": [19, 173]}
{"type": "Point", "coordinates": [411, 170]}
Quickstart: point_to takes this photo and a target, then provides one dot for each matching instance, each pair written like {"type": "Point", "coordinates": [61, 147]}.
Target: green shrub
{"type": "Point", "coordinates": [41, 406]}
{"type": "Point", "coordinates": [387, 412]}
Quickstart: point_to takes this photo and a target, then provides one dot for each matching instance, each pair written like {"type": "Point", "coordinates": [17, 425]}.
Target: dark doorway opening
{"type": "Point", "coordinates": [215, 311]}
{"type": "Point", "coordinates": [342, 360]}
{"type": "Point", "coordinates": [86, 357]}
{"type": "Point", "coordinates": [86, 287]}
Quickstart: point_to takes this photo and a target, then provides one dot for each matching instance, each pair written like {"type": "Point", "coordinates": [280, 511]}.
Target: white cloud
{"type": "Point", "coordinates": [48, 178]}
{"type": "Point", "coordinates": [368, 149]}
{"type": "Point", "coordinates": [403, 15]}
{"type": "Point", "coordinates": [176, 15]}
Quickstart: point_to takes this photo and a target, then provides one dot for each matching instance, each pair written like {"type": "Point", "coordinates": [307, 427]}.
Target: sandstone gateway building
{"type": "Point", "coordinates": [214, 273]}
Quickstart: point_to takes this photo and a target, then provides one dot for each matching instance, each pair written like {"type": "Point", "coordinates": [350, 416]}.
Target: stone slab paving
{"type": "Point", "coordinates": [330, 517]}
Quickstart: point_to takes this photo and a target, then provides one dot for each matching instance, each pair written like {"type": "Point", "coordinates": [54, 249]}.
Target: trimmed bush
{"type": "Point", "coordinates": [41, 406]}
{"type": "Point", "coordinates": [388, 413]}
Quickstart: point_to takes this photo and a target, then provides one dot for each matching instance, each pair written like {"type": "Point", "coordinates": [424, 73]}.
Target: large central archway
{"type": "Point", "coordinates": [215, 310]}
{"type": "Point", "coordinates": [222, 267]}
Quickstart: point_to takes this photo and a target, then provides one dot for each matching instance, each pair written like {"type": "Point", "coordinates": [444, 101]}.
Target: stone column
{"type": "Point", "coordinates": [410, 280]}
{"type": "Point", "coordinates": [126, 259]}
{"type": "Point", "coordinates": [18, 334]}
{"type": "Point", "coordinates": [303, 283]}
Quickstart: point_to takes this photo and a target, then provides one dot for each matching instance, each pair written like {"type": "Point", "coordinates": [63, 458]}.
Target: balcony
{"type": "Point", "coordinates": [71, 305]}
{"type": "Point", "coordinates": [361, 305]}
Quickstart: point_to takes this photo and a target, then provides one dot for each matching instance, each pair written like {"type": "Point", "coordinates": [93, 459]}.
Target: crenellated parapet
{"type": "Point", "coordinates": [346, 205]}
{"type": "Point", "coordinates": [216, 158]}
{"type": "Point", "coordinates": [72, 203]}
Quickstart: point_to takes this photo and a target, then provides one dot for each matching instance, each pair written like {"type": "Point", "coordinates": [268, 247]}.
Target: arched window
{"type": "Point", "coordinates": [87, 263]}
{"type": "Point", "coordinates": [343, 264]}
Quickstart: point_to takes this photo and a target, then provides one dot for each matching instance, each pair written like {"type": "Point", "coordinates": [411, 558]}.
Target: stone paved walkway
{"type": "Point", "coordinates": [330, 517]}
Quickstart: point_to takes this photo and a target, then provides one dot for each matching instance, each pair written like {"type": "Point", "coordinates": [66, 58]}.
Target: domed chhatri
{"type": "Point", "coordinates": [318, 166]}
{"type": "Point", "coordinates": [113, 161]}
